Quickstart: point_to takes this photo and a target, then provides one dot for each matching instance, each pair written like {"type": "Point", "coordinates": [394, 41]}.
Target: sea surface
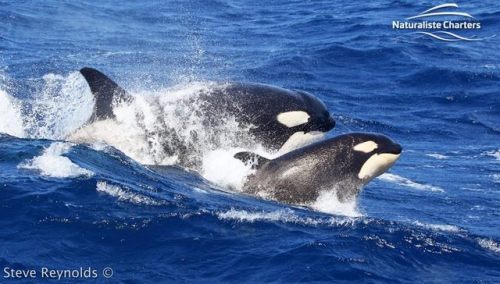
{"type": "Point", "coordinates": [434, 217]}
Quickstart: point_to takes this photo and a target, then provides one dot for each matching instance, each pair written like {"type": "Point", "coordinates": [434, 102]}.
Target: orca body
{"type": "Point", "coordinates": [276, 118]}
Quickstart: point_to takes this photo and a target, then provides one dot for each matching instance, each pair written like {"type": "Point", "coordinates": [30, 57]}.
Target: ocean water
{"type": "Point", "coordinates": [434, 217]}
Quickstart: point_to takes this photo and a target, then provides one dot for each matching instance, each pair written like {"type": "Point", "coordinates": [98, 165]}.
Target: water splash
{"type": "Point", "coordinates": [10, 115]}
{"type": "Point", "coordinates": [52, 164]}
{"type": "Point", "coordinates": [59, 106]}
{"type": "Point", "coordinates": [328, 202]}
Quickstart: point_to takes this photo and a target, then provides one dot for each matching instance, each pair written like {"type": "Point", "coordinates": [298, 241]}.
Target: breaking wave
{"type": "Point", "coordinates": [52, 163]}
{"type": "Point", "coordinates": [282, 215]}
{"type": "Point", "coordinates": [125, 195]}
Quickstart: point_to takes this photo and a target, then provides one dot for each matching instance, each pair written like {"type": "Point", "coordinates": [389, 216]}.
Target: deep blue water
{"type": "Point", "coordinates": [434, 218]}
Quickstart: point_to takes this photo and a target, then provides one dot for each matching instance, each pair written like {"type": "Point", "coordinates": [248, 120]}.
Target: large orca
{"type": "Point", "coordinates": [342, 164]}
{"type": "Point", "coordinates": [278, 119]}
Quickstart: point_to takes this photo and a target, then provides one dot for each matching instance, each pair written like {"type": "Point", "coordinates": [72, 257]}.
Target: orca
{"type": "Point", "coordinates": [278, 119]}
{"type": "Point", "coordinates": [343, 164]}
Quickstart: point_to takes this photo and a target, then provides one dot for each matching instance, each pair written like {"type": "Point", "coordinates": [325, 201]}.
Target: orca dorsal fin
{"type": "Point", "coordinates": [256, 160]}
{"type": "Point", "coordinates": [104, 90]}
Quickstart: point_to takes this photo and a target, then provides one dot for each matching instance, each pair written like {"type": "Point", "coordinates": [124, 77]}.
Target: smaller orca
{"type": "Point", "coordinates": [344, 163]}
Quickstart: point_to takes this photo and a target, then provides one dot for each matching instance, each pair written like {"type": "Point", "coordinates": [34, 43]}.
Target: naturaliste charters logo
{"type": "Point", "coordinates": [449, 27]}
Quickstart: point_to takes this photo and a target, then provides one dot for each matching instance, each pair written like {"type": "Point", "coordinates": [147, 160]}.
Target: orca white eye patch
{"type": "Point", "coordinates": [366, 147]}
{"type": "Point", "coordinates": [293, 118]}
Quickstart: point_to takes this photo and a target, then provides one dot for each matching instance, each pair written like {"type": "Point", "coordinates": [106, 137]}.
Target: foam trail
{"type": "Point", "coordinates": [124, 195]}
{"type": "Point", "coordinates": [392, 178]}
{"type": "Point", "coordinates": [281, 215]}
{"type": "Point", "coordinates": [51, 163]}
{"type": "Point", "coordinates": [10, 115]}
{"type": "Point", "coordinates": [247, 216]}
{"type": "Point", "coordinates": [439, 227]}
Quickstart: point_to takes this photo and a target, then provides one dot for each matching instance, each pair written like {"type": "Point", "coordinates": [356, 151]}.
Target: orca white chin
{"type": "Point", "coordinates": [376, 165]}
{"type": "Point", "coordinates": [300, 139]}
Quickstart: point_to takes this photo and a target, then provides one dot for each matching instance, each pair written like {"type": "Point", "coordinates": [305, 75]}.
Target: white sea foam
{"type": "Point", "coordinates": [328, 202]}
{"type": "Point", "coordinates": [10, 115]}
{"type": "Point", "coordinates": [489, 244]}
{"type": "Point", "coordinates": [220, 167]}
{"type": "Point", "coordinates": [438, 227]}
{"type": "Point", "coordinates": [282, 215]}
{"type": "Point", "coordinates": [392, 178]}
{"type": "Point", "coordinates": [494, 153]}
{"type": "Point", "coordinates": [125, 195]}
{"type": "Point", "coordinates": [243, 215]}
{"type": "Point", "coordinates": [51, 163]}
{"type": "Point", "coordinates": [437, 156]}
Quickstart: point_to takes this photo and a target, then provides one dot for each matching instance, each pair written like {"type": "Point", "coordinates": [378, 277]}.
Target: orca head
{"type": "Point", "coordinates": [373, 154]}
{"type": "Point", "coordinates": [305, 123]}
{"type": "Point", "coordinates": [312, 115]}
